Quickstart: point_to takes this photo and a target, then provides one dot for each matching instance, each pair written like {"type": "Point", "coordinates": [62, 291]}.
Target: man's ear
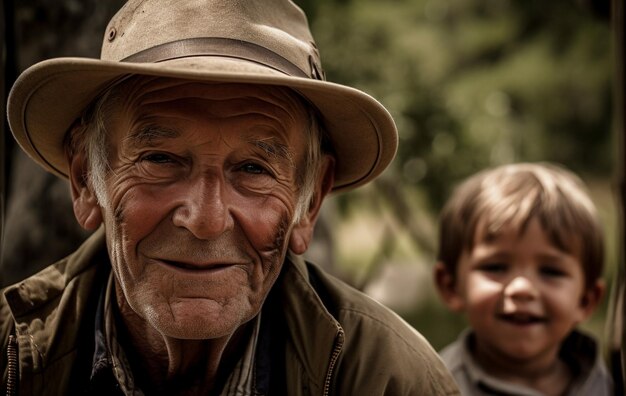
{"type": "Point", "coordinates": [591, 298]}
{"type": "Point", "coordinates": [447, 287]}
{"type": "Point", "coordinates": [302, 232]}
{"type": "Point", "coordinates": [84, 200]}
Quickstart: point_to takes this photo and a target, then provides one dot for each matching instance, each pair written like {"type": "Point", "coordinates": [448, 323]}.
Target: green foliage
{"type": "Point", "coordinates": [471, 84]}
{"type": "Point", "coordinates": [477, 82]}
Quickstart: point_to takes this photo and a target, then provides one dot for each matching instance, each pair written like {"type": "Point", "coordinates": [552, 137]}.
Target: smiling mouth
{"type": "Point", "coordinates": [522, 319]}
{"type": "Point", "coordinates": [194, 267]}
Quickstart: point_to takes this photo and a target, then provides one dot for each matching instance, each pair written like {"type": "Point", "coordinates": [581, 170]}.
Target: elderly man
{"type": "Point", "coordinates": [200, 148]}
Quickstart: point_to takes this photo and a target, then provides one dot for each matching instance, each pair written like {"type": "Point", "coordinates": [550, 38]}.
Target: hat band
{"type": "Point", "coordinates": [216, 46]}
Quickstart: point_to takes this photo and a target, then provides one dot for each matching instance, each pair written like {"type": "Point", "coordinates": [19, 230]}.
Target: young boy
{"type": "Point", "coordinates": [521, 255]}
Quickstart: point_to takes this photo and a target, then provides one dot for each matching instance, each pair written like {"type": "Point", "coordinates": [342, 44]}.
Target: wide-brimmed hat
{"type": "Point", "coordinates": [240, 41]}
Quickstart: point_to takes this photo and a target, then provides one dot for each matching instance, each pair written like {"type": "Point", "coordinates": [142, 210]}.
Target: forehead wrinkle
{"type": "Point", "coordinates": [280, 108]}
{"type": "Point", "coordinates": [151, 90]}
{"type": "Point", "coordinates": [148, 134]}
{"type": "Point", "coordinates": [220, 109]}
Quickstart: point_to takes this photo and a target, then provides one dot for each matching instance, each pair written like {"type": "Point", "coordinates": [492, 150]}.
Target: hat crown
{"type": "Point", "coordinates": [265, 42]}
{"type": "Point", "coordinates": [158, 30]}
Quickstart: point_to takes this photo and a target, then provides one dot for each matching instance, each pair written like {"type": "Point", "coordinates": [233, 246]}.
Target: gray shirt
{"type": "Point", "coordinates": [578, 350]}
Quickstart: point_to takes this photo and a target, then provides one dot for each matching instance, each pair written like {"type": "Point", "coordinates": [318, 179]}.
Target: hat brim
{"type": "Point", "coordinates": [49, 96]}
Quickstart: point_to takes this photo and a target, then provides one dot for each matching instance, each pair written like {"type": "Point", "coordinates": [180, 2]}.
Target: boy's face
{"type": "Point", "coordinates": [521, 294]}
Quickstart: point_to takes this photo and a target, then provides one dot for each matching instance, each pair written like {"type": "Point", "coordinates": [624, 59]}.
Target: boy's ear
{"type": "Point", "coordinates": [302, 232]}
{"type": "Point", "coordinates": [84, 201]}
{"type": "Point", "coordinates": [591, 298]}
{"type": "Point", "coordinates": [447, 287]}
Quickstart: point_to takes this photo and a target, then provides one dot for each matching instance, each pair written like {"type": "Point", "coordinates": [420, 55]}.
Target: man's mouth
{"type": "Point", "coordinates": [194, 267]}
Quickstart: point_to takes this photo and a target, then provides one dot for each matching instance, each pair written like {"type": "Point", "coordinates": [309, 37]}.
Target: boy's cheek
{"type": "Point", "coordinates": [590, 300]}
{"type": "Point", "coordinates": [456, 303]}
{"type": "Point", "coordinates": [480, 288]}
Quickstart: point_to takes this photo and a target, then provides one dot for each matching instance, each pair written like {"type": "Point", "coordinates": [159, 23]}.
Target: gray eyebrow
{"type": "Point", "coordinates": [273, 147]}
{"type": "Point", "coordinates": [149, 133]}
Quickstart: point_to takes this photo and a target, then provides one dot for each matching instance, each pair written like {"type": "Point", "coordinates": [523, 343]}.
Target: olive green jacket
{"type": "Point", "coordinates": [334, 339]}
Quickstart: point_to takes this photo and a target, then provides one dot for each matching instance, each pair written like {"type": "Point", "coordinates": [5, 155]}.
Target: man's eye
{"type": "Point", "coordinates": [158, 158]}
{"type": "Point", "coordinates": [253, 168]}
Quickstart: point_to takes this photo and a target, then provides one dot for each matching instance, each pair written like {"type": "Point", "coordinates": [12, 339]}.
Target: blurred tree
{"type": "Point", "coordinates": [477, 82]}
{"type": "Point", "coordinates": [40, 227]}
{"type": "Point", "coordinates": [471, 84]}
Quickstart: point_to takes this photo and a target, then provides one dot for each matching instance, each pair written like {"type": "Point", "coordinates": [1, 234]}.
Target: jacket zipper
{"type": "Point", "coordinates": [12, 366]}
{"type": "Point", "coordinates": [333, 360]}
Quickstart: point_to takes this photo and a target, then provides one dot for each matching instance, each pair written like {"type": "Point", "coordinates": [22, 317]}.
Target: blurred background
{"type": "Point", "coordinates": [470, 83]}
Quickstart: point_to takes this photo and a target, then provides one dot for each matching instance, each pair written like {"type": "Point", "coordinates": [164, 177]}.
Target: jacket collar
{"type": "Point", "coordinates": [317, 336]}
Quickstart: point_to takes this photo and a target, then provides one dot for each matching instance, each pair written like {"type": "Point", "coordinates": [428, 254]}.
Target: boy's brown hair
{"type": "Point", "coordinates": [514, 194]}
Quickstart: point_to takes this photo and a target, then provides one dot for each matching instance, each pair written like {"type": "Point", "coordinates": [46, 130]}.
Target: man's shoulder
{"type": "Point", "coordinates": [355, 309]}
{"type": "Point", "coordinates": [397, 355]}
{"type": "Point", "coordinates": [48, 309]}
{"type": "Point", "coordinates": [358, 314]}
{"type": "Point", "coordinates": [38, 297]}
{"type": "Point", "coordinates": [48, 284]}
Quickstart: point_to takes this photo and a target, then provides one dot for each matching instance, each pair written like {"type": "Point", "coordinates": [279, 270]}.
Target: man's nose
{"type": "Point", "coordinates": [519, 289]}
{"type": "Point", "coordinates": [203, 210]}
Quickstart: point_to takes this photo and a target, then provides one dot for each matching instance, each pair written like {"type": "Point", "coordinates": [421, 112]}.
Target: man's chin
{"type": "Point", "coordinates": [196, 319]}
{"type": "Point", "coordinates": [190, 329]}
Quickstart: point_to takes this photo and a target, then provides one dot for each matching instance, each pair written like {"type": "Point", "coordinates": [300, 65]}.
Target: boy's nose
{"type": "Point", "coordinates": [519, 289]}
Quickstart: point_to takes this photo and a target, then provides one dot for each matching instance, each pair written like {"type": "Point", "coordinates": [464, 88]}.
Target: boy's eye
{"type": "Point", "coordinates": [493, 268]}
{"type": "Point", "coordinates": [552, 271]}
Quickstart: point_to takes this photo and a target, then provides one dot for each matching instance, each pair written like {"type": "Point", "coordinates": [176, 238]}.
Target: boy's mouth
{"type": "Point", "coordinates": [522, 318]}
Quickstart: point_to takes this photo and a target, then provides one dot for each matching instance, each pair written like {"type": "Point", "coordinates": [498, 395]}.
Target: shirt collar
{"type": "Point", "coordinates": [482, 379]}
{"type": "Point", "coordinates": [578, 351]}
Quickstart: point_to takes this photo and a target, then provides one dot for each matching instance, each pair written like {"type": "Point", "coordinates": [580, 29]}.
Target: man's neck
{"type": "Point", "coordinates": [165, 365]}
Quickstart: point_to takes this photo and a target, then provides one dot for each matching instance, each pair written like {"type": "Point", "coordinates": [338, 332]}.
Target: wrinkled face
{"type": "Point", "coordinates": [521, 294]}
{"type": "Point", "coordinates": [202, 196]}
